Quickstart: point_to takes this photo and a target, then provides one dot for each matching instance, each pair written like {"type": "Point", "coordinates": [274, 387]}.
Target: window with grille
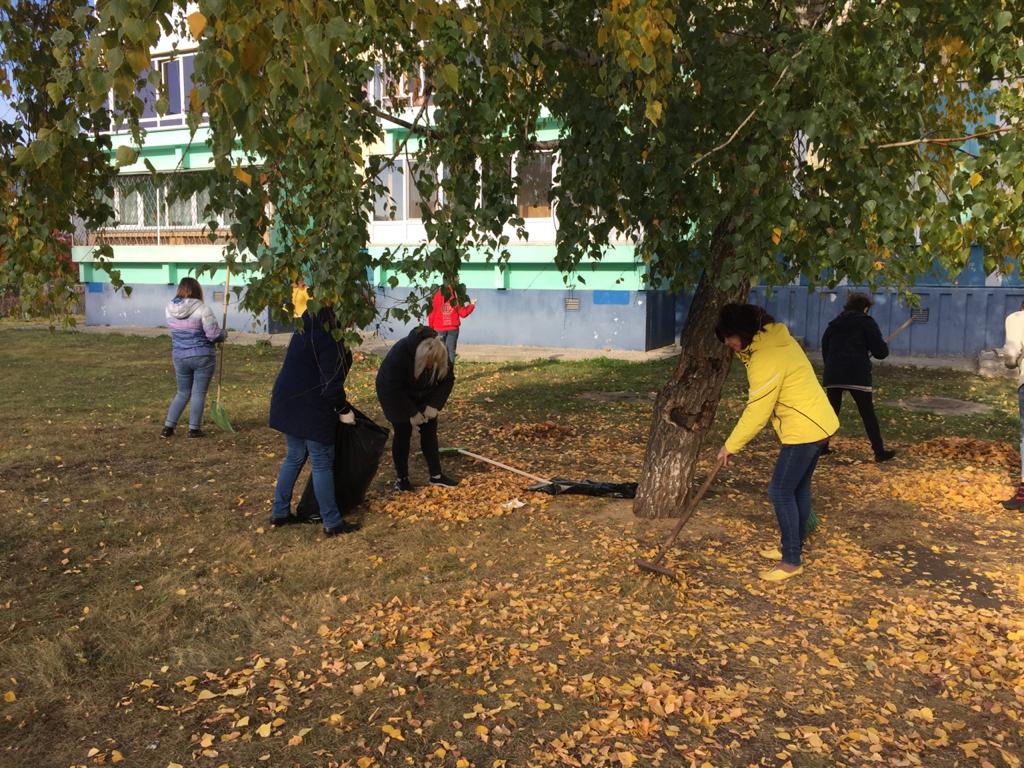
{"type": "Point", "coordinates": [146, 212]}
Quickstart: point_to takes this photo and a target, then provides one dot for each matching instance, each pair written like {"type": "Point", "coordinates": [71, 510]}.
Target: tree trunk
{"type": "Point", "coordinates": [685, 406]}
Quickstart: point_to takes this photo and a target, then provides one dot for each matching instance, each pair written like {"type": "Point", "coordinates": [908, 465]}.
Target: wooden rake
{"type": "Point", "coordinates": [654, 566]}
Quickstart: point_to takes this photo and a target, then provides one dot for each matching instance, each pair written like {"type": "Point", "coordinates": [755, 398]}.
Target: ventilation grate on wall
{"type": "Point", "coordinates": [572, 305]}
{"type": "Point", "coordinates": [919, 315]}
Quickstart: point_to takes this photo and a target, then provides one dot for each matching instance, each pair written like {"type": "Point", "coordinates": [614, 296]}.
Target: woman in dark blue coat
{"type": "Point", "coordinates": [307, 403]}
{"type": "Point", "coordinates": [413, 385]}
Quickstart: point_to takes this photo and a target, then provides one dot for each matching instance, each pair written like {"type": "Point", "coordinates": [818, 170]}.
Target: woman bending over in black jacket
{"type": "Point", "coordinates": [849, 343]}
{"type": "Point", "coordinates": [413, 385]}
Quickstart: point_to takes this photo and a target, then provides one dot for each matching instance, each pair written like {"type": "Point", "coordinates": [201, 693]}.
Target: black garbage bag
{"type": "Point", "coordinates": [357, 451]}
{"type": "Point", "coordinates": [560, 485]}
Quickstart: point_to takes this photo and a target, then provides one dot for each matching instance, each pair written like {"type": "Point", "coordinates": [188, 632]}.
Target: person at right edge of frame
{"type": "Point", "coordinates": [1013, 357]}
{"type": "Point", "coordinates": [847, 346]}
{"type": "Point", "coordinates": [784, 390]}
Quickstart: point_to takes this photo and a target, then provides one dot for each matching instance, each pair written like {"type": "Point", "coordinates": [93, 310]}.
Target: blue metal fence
{"type": "Point", "coordinates": [957, 321]}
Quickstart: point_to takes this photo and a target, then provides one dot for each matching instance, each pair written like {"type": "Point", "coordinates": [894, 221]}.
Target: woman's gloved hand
{"type": "Point", "coordinates": [430, 412]}
{"type": "Point", "coordinates": [349, 417]}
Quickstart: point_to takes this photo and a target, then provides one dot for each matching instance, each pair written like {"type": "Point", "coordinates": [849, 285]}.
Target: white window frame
{"type": "Point", "coordinates": [171, 120]}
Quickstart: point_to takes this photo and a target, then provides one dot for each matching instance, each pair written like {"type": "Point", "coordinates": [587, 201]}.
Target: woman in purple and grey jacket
{"type": "Point", "coordinates": [194, 331]}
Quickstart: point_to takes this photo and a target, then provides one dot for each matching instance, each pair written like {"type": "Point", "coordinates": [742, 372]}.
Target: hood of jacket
{"type": "Point", "coordinates": [848, 320]}
{"type": "Point", "coordinates": [418, 334]}
{"type": "Point", "coordinates": [773, 335]}
{"type": "Point", "coordinates": [180, 309]}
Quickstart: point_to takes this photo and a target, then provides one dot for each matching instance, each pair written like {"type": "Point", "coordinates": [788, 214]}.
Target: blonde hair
{"type": "Point", "coordinates": [431, 353]}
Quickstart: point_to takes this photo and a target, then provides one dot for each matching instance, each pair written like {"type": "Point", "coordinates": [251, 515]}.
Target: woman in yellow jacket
{"type": "Point", "coordinates": [785, 391]}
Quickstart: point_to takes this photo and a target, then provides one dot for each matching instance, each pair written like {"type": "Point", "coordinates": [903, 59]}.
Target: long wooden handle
{"type": "Point", "coordinates": [506, 467]}
{"type": "Point", "coordinates": [906, 324]}
{"type": "Point", "coordinates": [684, 518]}
{"type": "Point", "coordinates": [223, 327]}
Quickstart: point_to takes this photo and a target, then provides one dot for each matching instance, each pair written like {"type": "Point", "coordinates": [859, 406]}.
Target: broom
{"type": "Point", "coordinates": [217, 412]}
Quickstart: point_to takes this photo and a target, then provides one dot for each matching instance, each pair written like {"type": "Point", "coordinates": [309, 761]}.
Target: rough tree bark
{"type": "Point", "coordinates": [685, 406]}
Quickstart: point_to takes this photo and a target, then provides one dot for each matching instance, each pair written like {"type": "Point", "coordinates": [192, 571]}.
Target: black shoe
{"type": "Point", "coordinates": [278, 522]}
{"type": "Point", "coordinates": [443, 480]}
{"type": "Point", "coordinates": [1017, 501]}
{"type": "Point", "coordinates": [885, 456]}
{"type": "Point", "coordinates": [403, 484]}
{"type": "Point", "coordinates": [341, 527]}
{"type": "Point", "coordinates": [196, 433]}
{"type": "Point", "coordinates": [167, 432]}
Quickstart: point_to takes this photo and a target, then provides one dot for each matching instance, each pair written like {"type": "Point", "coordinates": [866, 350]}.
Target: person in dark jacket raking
{"type": "Point", "coordinates": [307, 403]}
{"type": "Point", "coordinates": [413, 385]}
{"type": "Point", "coordinates": [849, 343]}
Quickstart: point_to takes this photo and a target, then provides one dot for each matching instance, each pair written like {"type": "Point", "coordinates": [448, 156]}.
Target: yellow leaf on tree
{"type": "Point", "coordinates": [196, 24]}
{"type": "Point", "coordinates": [975, 179]}
{"type": "Point", "coordinates": [243, 176]}
{"type": "Point", "coordinates": [777, 235]}
{"type": "Point", "coordinates": [653, 111]}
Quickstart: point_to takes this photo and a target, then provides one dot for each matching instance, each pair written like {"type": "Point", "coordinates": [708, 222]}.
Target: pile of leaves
{"type": "Point", "coordinates": [478, 494]}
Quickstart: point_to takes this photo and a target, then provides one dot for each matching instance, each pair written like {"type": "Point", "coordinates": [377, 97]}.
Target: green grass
{"type": "Point", "coordinates": [125, 559]}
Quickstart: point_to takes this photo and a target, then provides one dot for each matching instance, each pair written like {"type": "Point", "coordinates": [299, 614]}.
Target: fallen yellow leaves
{"type": "Point", "coordinates": [479, 494]}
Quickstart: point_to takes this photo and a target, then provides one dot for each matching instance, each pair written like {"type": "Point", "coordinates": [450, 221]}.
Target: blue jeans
{"type": "Point", "coordinates": [450, 339]}
{"type": "Point", "coordinates": [1020, 402]}
{"type": "Point", "coordinates": [193, 375]}
{"type": "Point", "coordinates": [323, 479]}
{"type": "Point", "coordinates": [790, 494]}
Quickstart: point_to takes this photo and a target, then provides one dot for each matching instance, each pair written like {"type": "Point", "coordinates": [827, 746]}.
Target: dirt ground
{"type": "Point", "coordinates": [149, 616]}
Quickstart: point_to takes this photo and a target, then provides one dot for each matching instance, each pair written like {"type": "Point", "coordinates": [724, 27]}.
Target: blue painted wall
{"type": "Point", "coordinates": [145, 307]}
{"type": "Point", "coordinates": [638, 320]}
{"type": "Point", "coordinates": [962, 320]}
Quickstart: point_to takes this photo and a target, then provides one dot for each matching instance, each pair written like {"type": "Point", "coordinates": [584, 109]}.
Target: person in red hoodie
{"type": "Point", "coordinates": [446, 317]}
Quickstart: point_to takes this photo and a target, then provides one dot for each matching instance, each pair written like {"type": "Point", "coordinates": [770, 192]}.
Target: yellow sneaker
{"type": "Point", "coordinates": [772, 553]}
{"type": "Point", "coordinates": [778, 574]}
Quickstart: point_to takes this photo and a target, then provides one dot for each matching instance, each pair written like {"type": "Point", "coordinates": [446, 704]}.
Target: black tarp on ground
{"type": "Point", "coordinates": [357, 451]}
{"type": "Point", "coordinates": [560, 485]}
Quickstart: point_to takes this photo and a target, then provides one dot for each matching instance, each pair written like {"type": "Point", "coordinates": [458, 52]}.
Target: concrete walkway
{"type": "Point", "coordinates": [375, 345]}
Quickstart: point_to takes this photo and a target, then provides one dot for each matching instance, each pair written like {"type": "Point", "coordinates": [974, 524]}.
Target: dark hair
{"type": "Point", "coordinates": [743, 320]}
{"type": "Point", "coordinates": [189, 288]}
{"type": "Point", "coordinates": [857, 302]}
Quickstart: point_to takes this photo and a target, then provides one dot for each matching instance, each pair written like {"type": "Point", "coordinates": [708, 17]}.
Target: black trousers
{"type": "Point", "coordinates": [428, 444]}
{"type": "Point", "coordinates": [866, 407]}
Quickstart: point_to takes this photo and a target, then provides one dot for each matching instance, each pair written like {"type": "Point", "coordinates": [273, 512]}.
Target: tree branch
{"type": "Point", "coordinates": [949, 140]}
{"type": "Point", "coordinates": [412, 127]}
{"type": "Point", "coordinates": [701, 158]}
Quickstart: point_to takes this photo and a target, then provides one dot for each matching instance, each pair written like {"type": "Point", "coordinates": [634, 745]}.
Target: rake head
{"type": "Point", "coordinates": [647, 565]}
{"type": "Point", "coordinates": [219, 417]}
